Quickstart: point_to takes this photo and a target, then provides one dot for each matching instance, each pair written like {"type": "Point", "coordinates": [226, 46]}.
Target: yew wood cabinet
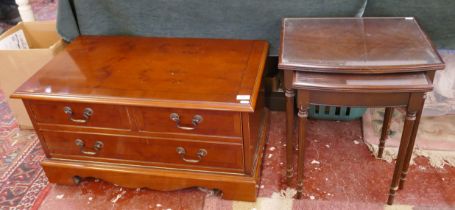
{"type": "Point", "coordinates": [161, 113]}
{"type": "Point", "coordinates": [367, 62]}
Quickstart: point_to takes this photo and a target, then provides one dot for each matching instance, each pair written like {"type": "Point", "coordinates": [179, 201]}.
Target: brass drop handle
{"type": "Point", "coordinates": [87, 114]}
{"type": "Point", "coordinates": [200, 154]}
{"type": "Point", "coordinates": [96, 147]}
{"type": "Point", "coordinates": [197, 119]}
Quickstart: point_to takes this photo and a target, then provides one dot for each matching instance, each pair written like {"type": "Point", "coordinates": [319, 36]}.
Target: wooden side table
{"type": "Point", "coordinates": [369, 62]}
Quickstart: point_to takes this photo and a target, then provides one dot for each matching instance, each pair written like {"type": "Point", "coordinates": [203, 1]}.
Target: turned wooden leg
{"type": "Point", "coordinates": [289, 133]}
{"type": "Point", "coordinates": [303, 102]}
{"type": "Point", "coordinates": [303, 116]}
{"type": "Point", "coordinates": [410, 148]}
{"type": "Point", "coordinates": [385, 130]}
{"type": "Point", "coordinates": [412, 108]}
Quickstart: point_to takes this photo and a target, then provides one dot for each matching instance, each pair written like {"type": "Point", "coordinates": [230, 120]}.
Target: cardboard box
{"type": "Point", "coordinates": [16, 66]}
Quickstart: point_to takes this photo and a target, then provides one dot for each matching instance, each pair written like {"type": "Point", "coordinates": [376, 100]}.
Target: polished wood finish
{"type": "Point", "coordinates": [215, 123]}
{"type": "Point", "coordinates": [153, 72]}
{"type": "Point", "coordinates": [303, 103]}
{"type": "Point", "coordinates": [45, 112]}
{"type": "Point", "coordinates": [144, 149]}
{"type": "Point", "coordinates": [367, 62]}
{"type": "Point", "coordinates": [413, 106]}
{"type": "Point", "coordinates": [407, 159]}
{"type": "Point", "coordinates": [383, 83]}
{"type": "Point", "coordinates": [306, 96]}
{"type": "Point", "coordinates": [234, 187]}
{"type": "Point", "coordinates": [163, 113]}
{"type": "Point", "coordinates": [356, 45]}
{"type": "Point", "coordinates": [252, 140]}
{"type": "Point", "coordinates": [290, 95]}
{"type": "Point", "coordinates": [343, 99]}
{"type": "Point", "coordinates": [385, 130]}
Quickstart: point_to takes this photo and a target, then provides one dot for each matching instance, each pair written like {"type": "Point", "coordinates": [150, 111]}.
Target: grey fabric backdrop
{"type": "Point", "coordinates": [237, 19]}
{"type": "Point", "coordinates": [437, 17]}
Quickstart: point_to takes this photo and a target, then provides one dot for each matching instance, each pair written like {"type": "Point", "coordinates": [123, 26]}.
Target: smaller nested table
{"type": "Point", "coordinates": [357, 62]}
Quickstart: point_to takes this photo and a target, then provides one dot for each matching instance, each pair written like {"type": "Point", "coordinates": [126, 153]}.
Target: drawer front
{"type": "Point", "coordinates": [188, 121]}
{"type": "Point", "coordinates": [145, 149]}
{"type": "Point", "coordinates": [81, 114]}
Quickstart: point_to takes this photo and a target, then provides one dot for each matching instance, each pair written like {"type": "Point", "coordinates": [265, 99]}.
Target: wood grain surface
{"type": "Point", "coordinates": [159, 72]}
{"type": "Point", "coordinates": [356, 45]}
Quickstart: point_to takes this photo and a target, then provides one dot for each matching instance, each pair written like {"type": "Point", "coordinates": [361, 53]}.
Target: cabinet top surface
{"type": "Point", "coordinates": [163, 72]}
{"type": "Point", "coordinates": [356, 45]}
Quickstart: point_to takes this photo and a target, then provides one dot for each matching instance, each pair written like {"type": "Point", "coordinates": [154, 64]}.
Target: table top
{"type": "Point", "coordinates": [356, 45]}
{"type": "Point", "coordinates": [162, 72]}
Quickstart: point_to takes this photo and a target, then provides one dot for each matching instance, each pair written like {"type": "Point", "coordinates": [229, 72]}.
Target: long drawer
{"type": "Point", "coordinates": [80, 114]}
{"type": "Point", "coordinates": [170, 151]}
{"type": "Point", "coordinates": [188, 121]}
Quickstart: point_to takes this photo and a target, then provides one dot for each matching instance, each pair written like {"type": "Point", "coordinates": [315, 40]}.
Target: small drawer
{"type": "Point", "coordinates": [146, 150]}
{"type": "Point", "coordinates": [81, 114]}
{"type": "Point", "coordinates": [188, 121]}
